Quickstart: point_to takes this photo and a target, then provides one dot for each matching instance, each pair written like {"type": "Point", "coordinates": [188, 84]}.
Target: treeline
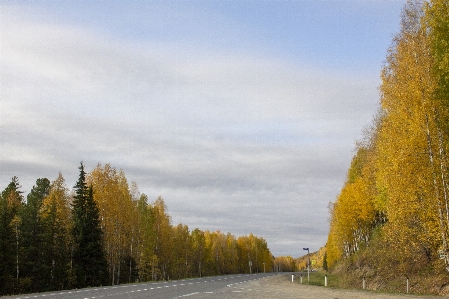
{"type": "Point", "coordinates": [317, 260]}
{"type": "Point", "coordinates": [290, 264]}
{"type": "Point", "coordinates": [392, 215]}
{"type": "Point", "coordinates": [105, 232]}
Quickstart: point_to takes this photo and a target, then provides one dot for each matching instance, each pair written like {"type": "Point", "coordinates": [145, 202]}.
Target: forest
{"type": "Point", "coordinates": [105, 232]}
{"type": "Point", "coordinates": [391, 218]}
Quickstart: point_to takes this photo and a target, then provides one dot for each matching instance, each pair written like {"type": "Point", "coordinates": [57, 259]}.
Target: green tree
{"type": "Point", "coordinates": [56, 221]}
{"type": "Point", "coordinates": [31, 229]}
{"type": "Point", "coordinates": [89, 262]}
{"type": "Point", "coordinates": [325, 262]}
{"type": "Point", "coordinates": [11, 201]}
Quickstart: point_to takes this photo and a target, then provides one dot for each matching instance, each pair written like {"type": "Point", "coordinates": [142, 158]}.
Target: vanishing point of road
{"type": "Point", "coordinates": [248, 286]}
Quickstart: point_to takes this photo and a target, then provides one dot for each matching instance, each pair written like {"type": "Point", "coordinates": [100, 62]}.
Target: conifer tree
{"type": "Point", "coordinates": [325, 262]}
{"type": "Point", "coordinates": [56, 222]}
{"type": "Point", "coordinates": [11, 201]}
{"type": "Point", "coordinates": [32, 235]}
{"type": "Point", "coordinates": [89, 262]}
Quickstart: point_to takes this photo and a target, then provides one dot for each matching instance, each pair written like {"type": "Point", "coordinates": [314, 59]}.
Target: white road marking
{"type": "Point", "coordinates": [191, 294]}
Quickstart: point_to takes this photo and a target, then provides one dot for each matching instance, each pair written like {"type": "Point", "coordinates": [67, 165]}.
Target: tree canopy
{"type": "Point", "coordinates": [394, 204]}
{"type": "Point", "coordinates": [103, 232]}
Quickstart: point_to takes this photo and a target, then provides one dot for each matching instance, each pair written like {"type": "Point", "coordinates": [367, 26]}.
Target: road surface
{"type": "Point", "coordinates": [249, 286]}
{"type": "Point", "coordinates": [160, 290]}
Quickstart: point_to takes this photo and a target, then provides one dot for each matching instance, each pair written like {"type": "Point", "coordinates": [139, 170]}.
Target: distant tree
{"type": "Point", "coordinates": [11, 201]}
{"type": "Point", "coordinates": [117, 212]}
{"type": "Point", "coordinates": [182, 252]}
{"type": "Point", "coordinates": [31, 237]}
{"type": "Point", "coordinates": [255, 250]}
{"type": "Point", "coordinates": [56, 222]}
{"type": "Point", "coordinates": [325, 262]}
{"type": "Point", "coordinates": [148, 260]}
{"type": "Point", "coordinates": [199, 250]}
{"type": "Point", "coordinates": [163, 245]}
{"type": "Point", "coordinates": [89, 262]}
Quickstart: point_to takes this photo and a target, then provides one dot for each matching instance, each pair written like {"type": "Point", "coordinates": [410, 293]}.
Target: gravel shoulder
{"type": "Point", "coordinates": [280, 286]}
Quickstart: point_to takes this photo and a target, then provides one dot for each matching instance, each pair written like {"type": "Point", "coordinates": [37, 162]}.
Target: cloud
{"type": "Point", "coordinates": [232, 141]}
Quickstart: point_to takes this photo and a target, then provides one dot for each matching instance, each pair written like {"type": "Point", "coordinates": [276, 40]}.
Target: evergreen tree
{"type": "Point", "coordinates": [32, 235]}
{"type": "Point", "coordinates": [325, 262]}
{"type": "Point", "coordinates": [56, 222]}
{"type": "Point", "coordinates": [10, 202]}
{"type": "Point", "coordinates": [89, 261]}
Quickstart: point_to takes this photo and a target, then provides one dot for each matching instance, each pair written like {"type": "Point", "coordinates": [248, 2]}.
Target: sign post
{"type": "Point", "coordinates": [308, 264]}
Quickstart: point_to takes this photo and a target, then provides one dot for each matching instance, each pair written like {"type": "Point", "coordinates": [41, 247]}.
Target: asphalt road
{"type": "Point", "coordinates": [207, 286]}
{"type": "Point", "coordinates": [253, 286]}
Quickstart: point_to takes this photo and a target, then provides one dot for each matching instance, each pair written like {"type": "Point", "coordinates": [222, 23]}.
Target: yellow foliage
{"type": "Point", "coordinates": [117, 214]}
{"type": "Point", "coordinates": [399, 182]}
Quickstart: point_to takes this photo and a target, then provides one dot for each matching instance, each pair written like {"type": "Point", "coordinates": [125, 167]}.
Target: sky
{"type": "Point", "coordinates": [242, 115]}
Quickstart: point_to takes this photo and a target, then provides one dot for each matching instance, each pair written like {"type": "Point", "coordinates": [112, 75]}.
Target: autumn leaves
{"type": "Point", "coordinates": [395, 198]}
{"type": "Point", "coordinates": [106, 232]}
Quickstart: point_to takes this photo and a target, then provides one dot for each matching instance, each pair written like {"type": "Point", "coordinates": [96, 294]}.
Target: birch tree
{"type": "Point", "coordinates": [117, 213]}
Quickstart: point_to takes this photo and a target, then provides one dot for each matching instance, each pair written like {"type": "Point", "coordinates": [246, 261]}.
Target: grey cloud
{"type": "Point", "coordinates": [232, 142]}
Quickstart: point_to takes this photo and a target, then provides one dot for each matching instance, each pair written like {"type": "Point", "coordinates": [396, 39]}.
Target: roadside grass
{"type": "Point", "coordinates": [418, 285]}
{"type": "Point", "coordinates": [318, 279]}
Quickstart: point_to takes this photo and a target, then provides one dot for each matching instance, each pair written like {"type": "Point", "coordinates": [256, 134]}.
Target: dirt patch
{"type": "Point", "coordinates": [280, 286]}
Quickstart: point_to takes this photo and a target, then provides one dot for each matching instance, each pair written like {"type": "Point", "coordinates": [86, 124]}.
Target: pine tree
{"type": "Point", "coordinates": [56, 223]}
{"type": "Point", "coordinates": [11, 201]}
{"type": "Point", "coordinates": [325, 262]}
{"type": "Point", "coordinates": [89, 262]}
{"type": "Point", "coordinates": [31, 235]}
